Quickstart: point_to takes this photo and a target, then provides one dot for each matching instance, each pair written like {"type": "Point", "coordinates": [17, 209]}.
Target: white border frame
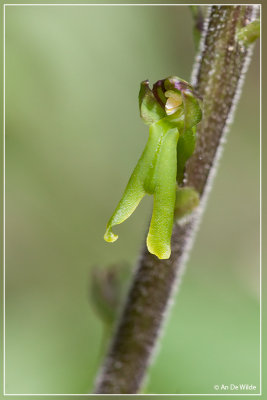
{"type": "Point", "coordinates": [4, 200]}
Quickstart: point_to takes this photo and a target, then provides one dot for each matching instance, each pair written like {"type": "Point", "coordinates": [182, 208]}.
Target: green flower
{"type": "Point", "coordinates": [171, 109]}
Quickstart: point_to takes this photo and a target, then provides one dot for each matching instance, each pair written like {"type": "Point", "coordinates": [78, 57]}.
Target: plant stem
{"type": "Point", "coordinates": [217, 77]}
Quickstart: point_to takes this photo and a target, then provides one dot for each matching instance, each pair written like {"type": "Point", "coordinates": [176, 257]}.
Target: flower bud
{"type": "Point", "coordinates": [187, 199]}
{"type": "Point", "coordinates": [107, 289]}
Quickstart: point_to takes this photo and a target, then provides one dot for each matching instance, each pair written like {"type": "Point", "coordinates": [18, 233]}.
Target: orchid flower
{"type": "Point", "coordinates": [172, 110]}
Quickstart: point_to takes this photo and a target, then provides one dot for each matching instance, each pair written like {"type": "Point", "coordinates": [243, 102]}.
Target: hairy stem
{"type": "Point", "coordinates": [217, 76]}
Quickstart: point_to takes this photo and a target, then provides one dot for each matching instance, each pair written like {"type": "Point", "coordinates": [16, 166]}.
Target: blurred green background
{"type": "Point", "coordinates": [73, 136]}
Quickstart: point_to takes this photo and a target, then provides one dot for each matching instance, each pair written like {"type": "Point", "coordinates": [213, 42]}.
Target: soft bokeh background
{"type": "Point", "coordinates": [73, 135]}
